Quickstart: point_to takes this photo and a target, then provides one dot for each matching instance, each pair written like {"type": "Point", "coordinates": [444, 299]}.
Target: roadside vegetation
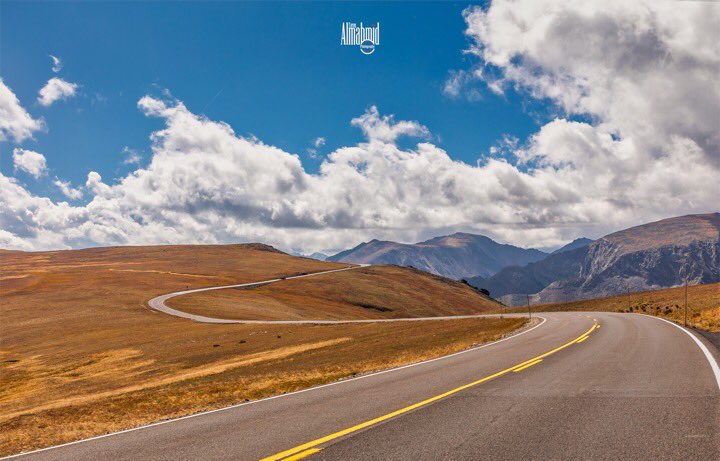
{"type": "Point", "coordinates": [703, 305]}
{"type": "Point", "coordinates": [81, 354]}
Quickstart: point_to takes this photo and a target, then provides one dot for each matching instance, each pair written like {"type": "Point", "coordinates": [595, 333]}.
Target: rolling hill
{"type": "Point", "coordinates": [81, 353]}
{"type": "Point", "coordinates": [456, 256]}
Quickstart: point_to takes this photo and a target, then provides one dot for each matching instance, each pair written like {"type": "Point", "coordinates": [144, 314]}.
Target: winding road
{"type": "Point", "coordinates": [573, 386]}
{"type": "Point", "coordinates": [158, 304]}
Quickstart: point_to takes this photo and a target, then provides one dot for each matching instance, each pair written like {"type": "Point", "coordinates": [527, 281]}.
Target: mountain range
{"type": "Point", "coordinates": [457, 256]}
{"type": "Point", "coordinates": [656, 255]}
{"type": "Point", "coordinates": [648, 257]}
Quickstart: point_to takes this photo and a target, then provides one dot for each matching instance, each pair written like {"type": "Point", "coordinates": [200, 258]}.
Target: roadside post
{"type": "Point", "coordinates": [686, 288]}
{"type": "Point", "coordinates": [529, 310]}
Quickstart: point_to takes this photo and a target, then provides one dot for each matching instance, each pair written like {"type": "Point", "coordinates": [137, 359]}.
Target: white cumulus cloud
{"type": "Point", "coordinates": [56, 89]}
{"type": "Point", "coordinates": [31, 162]}
{"type": "Point", "coordinates": [204, 183]}
{"type": "Point", "coordinates": [384, 129]}
{"type": "Point", "coordinates": [645, 71]}
{"type": "Point", "coordinates": [15, 122]}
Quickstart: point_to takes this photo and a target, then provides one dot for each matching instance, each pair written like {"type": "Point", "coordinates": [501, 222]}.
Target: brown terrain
{"type": "Point", "coordinates": [81, 354]}
{"type": "Point", "coordinates": [703, 305]}
{"type": "Point", "coordinates": [367, 293]}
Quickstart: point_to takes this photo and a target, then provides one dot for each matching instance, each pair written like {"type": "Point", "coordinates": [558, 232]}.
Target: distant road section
{"type": "Point", "coordinates": [159, 305]}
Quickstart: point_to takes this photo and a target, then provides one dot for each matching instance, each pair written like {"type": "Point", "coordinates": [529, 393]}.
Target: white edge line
{"type": "Point", "coordinates": [342, 381]}
{"type": "Point", "coordinates": [708, 355]}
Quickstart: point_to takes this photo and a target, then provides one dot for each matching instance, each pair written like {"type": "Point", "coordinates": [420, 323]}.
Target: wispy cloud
{"type": "Point", "coordinates": [132, 156]}
{"type": "Point", "coordinates": [66, 188]}
{"type": "Point", "coordinates": [57, 64]}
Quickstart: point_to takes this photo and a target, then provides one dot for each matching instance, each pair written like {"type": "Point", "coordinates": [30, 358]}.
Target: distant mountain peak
{"type": "Point", "coordinates": [577, 243]}
{"type": "Point", "coordinates": [459, 255]}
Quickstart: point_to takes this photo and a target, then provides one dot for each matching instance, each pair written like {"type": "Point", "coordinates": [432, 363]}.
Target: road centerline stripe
{"type": "Point", "coordinates": [528, 365]}
{"type": "Point", "coordinates": [303, 454]}
{"type": "Point", "coordinates": [287, 454]}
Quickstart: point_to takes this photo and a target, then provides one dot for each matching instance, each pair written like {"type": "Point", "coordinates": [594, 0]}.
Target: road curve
{"type": "Point", "coordinates": [579, 386]}
{"type": "Point", "coordinates": [158, 304]}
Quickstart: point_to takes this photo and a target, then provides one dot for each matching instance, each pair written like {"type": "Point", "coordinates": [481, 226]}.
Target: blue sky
{"type": "Point", "coordinates": [614, 108]}
{"type": "Point", "coordinates": [276, 71]}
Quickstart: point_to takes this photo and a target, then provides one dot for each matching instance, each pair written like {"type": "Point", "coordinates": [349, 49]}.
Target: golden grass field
{"type": "Point", "coordinates": [367, 293]}
{"type": "Point", "coordinates": [703, 305]}
{"type": "Point", "coordinates": [81, 354]}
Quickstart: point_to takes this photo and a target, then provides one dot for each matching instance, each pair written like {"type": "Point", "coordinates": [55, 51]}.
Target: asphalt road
{"type": "Point", "coordinates": [635, 388]}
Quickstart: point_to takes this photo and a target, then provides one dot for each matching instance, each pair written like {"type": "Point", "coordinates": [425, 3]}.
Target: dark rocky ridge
{"type": "Point", "coordinates": [648, 257]}
{"type": "Point", "coordinates": [535, 276]}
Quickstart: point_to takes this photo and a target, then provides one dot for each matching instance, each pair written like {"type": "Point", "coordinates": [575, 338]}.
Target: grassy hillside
{"type": "Point", "coordinates": [367, 293]}
{"type": "Point", "coordinates": [703, 305]}
{"type": "Point", "coordinates": [81, 354]}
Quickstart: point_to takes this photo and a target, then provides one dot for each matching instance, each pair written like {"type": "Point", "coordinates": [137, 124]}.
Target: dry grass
{"type": "Point", "coordinates": [367, 293]}
{"type": "Point", "coordinates": [703, 305]}
{"type": "Point", "coordinates": [82, 355]}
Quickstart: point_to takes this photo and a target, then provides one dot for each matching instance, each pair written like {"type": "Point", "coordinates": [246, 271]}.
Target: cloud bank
{"type": "Point", "coordinates": [637, 141]}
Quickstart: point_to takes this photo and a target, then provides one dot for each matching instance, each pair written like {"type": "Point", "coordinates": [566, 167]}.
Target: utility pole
{"type": "Point", "coordinates": [629, 297]}
{"type": "Point", "coordinates": [528, 303]}
{"type": "Point", "coordinates": [686, 283]}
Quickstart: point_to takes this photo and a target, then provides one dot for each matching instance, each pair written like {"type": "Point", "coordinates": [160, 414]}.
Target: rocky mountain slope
{"type": "Point", "coordinates": [535, 276]}
{"type": "Point", "coordinates": [457, 256]}
{"type": "Point", "coordinates": [647, 257]}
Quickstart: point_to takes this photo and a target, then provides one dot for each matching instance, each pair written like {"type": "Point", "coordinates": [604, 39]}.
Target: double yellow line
{"type": "Point", "coordinates": [309, 448]}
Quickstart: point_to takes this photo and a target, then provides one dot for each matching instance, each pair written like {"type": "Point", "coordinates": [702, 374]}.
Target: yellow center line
{"type": "Point", "coordinates": [305, 447]}
{"type": "Point", "coordinates": [302, 454]}
{"type": "Point", "coordinates": [529, 364]}
{"type": "Point", "coordinates": [583, 339]}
